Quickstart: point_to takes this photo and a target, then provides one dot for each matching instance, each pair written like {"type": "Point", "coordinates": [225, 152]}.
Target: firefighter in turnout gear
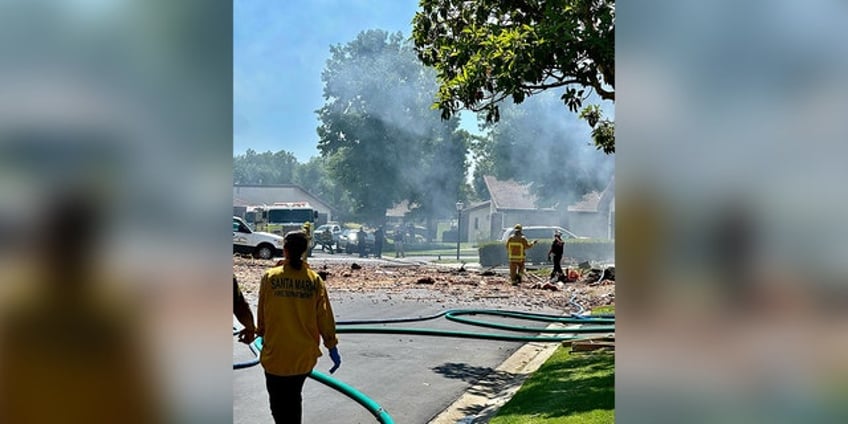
{"type": "Point", "coordinates": [516, 246]}
{"type": "Point", "coordinates": [293, 316]}
{"type": "Point", "coordinates": [307, 229]}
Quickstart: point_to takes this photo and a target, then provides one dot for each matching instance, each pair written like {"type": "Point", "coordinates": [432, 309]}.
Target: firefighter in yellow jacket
{"type": "Point", "coordinates": [307, 229]}
{"type": "Point", "coordinates": [516, 247]}
{"type": "Point", "coordinates": [293, 312]}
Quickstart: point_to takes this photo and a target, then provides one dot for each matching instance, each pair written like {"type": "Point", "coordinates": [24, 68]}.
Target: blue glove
{"type": "Point", "coordinates": [337, 360]}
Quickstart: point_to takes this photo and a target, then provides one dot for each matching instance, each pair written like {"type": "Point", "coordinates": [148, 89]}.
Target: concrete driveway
{"type": "Point", "coordinates": [412, 377]}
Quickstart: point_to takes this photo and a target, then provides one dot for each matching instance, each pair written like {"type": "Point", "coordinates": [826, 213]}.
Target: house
{"type": "Point", "coordinates": [594, 215]}
{"type": "Point", "coordinates": [510, 203]}
{"type": "Point", "coordinates": [255, 194]}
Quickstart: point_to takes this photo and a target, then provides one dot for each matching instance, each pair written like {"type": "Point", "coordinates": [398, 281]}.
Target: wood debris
{"type": "Point", "coordinates": [426, 283]}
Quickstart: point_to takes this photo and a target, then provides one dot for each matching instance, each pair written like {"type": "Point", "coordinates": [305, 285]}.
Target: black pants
{"type": "Point", "coordinates": [557, 267]}
{"type": "Point", "coordinates": [284, 394]}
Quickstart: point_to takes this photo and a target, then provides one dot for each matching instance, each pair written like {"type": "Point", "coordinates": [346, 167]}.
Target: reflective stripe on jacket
{"type": "Point", "coordinates": [515, 251]}
{"type": "Point", "coordinates": [515, 248]}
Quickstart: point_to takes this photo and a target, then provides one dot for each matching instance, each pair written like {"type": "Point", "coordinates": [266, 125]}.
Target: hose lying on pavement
{"type": "Point", "coordinates": [373, 407]}
{"type": "Point", "coordinates": [456, 315]}
{"type": "Point", "coordinates": [588, 325]}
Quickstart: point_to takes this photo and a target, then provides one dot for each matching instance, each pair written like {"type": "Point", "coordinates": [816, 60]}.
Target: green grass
{"type": "Point", "coordinates": [449, 260]}
{"type": "Point", "coordinates": [444, 253]}
{"type": "Point", "coordinates": [609, 309]}
{"type": "Point", "coordinates": [567, 389]}
{"type": "Point", "coordinates": [465, 249]}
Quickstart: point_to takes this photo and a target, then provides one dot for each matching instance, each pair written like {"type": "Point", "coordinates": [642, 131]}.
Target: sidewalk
{"type": "Point", "coordinates": [483, 400]}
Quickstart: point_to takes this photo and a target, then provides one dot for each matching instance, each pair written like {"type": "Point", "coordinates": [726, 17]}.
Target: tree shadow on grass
{"type": "Point", "coordinates": [562, 388]}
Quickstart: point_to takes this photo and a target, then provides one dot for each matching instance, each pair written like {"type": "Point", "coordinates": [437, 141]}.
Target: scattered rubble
{"type": "Point", "coordinates": [547, 286]}
{"type": "Point", "coordinates": [436, 284]}
{"type": "Point", "coordinates": [426, 280]}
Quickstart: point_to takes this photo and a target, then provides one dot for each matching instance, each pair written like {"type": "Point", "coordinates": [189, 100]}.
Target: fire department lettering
{"type": "Point", "coordinates": [287, 287]}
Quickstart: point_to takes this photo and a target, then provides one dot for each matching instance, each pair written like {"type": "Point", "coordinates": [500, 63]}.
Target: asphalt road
{"type": "Point", "coordinates": [412, 377]}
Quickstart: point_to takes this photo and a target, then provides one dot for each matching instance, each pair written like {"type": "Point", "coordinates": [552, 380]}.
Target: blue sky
{"type": "Point", "coordinates": [280, 48]}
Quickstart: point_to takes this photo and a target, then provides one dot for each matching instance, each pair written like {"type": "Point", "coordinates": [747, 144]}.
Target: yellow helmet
{"type": "Point", "coordinates": [517, 227]}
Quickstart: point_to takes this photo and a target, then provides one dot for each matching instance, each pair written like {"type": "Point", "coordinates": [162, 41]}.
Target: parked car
{"type": "Point", "coordinates": [412, 235]}
{"type": "Point", "coordinates": [348, 242]}
{"type": "Point", "coordinates": [257, 243]}
{"type": "Point", "coordinates": [540, 232]}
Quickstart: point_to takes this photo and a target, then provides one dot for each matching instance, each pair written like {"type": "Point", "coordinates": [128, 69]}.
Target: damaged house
{"type": "Point", "coordinates": [509, 203]}
{"type": "Point", "coordinates": [594, 215]}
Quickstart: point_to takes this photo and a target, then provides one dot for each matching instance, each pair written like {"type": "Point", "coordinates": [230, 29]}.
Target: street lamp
{"type": "Point", "coordinates": [459, 206]}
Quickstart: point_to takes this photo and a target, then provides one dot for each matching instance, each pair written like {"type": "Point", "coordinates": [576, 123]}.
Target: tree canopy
{"type": "Point", "coordinates": [388, 144]}
{"type": "Point", "coordinates": [264, 168]}
{"type": "Point", "coordinates": [486, 51]}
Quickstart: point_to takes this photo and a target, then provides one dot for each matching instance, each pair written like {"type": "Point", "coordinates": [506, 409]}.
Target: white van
{"type": "Point", "coordinates": [257, 243]}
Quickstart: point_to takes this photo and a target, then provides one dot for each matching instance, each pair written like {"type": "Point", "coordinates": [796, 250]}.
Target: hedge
{"type": "Point", "coordinates": [419, 246]}
{"type": "Point", "coordinates": [494, 253]}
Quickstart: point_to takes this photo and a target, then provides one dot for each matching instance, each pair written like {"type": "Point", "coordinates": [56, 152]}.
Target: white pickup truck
{"type": "Point", "coordinates": [257, 243]}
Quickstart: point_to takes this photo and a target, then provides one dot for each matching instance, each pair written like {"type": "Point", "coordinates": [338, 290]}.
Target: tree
{"type": "Point", "coordinates": [264, 168]}
{"type": "Point", "coordinates": [377, 125]}
{"type": "Point", "coordinates": [434, 192]}
{"type": "Point", "coordinates": [486, 51]}
{"type": "Point", "coordinates": [315, 176]}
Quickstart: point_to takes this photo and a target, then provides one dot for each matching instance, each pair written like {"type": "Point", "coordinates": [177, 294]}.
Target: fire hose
{"type": "Point", "coordinates": [373, 407]}
{"type": "Point", "coordinates": [588, 325]}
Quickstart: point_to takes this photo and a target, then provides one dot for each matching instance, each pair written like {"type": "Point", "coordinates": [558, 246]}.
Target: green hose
{"type": "Point", "coordinates": [373, 407]}
{"type": "Point", "coordinates": [458, 334]}
{"type": "Point", "coordinates": [454, 316]}
{"type": "Point", "coordinates": [588, 325]}
{"type": "Point", "coordinates": [376, 410]}
{"type": "Point", "coordinates": [535, 316]}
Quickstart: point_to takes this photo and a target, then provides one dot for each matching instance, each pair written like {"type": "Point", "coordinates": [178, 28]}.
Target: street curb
{"type": "Point", "coordinates": [522, 364]}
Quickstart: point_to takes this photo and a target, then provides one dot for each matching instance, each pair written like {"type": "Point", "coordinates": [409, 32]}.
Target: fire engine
{"type": "Point", "coordinates": [283, 217]}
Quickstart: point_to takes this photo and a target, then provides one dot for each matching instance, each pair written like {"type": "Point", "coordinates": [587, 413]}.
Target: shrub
{"type": "Point", "coordinates": [413, 247]}
{"type": "Point", "coordinates": [492, 253]}
{"type": "Point", "coordinates": [590, 249]}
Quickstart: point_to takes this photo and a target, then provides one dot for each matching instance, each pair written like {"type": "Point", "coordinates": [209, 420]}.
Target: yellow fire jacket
{"type": "Point", "coordinates": [515, 248]}
{"type": "Point", "coordinates": [293, 312]}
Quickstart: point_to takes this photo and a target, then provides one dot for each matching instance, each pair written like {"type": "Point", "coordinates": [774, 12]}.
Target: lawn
{"type": "Point", "coordinates": [449, 250]}
{"type": "Point", "coordinates": [567, 389]}
{"type": "Point", "coordinates": [608, 309]}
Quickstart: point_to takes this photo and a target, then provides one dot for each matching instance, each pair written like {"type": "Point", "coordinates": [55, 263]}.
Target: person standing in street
{"type": "Point", "coordinates": [556, 250]}
{"type": "Point", "coordinates": [294, 311]}
{"type": "Point", "coordinates": [244, 315]}
{"type": "Point", "coordinates": [307, 229]}
{"type": "Point", "coordinates": [378, 242]}
{"type": "Point", "coordinates": [399, 242]}
{"type": "Point", "coordinates": [516, 247]}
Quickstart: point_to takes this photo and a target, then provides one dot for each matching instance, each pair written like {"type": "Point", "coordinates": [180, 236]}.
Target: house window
{"type": "Point", "coordinates": [476, 222]}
